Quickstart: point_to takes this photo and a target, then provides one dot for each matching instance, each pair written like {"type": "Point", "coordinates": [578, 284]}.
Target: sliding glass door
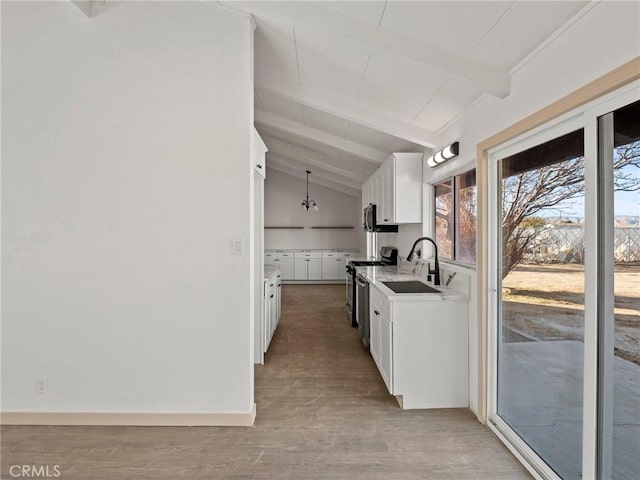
{"type": "Point", "coordinates": [565, 297]}
{"type": "Point", "coordinates": [541, 315]}
{"type": "Point", "coordinates": [619, 287]}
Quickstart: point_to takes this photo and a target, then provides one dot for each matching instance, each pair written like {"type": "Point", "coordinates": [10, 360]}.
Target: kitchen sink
{"type": "Point", "coordinates": [410, 286]}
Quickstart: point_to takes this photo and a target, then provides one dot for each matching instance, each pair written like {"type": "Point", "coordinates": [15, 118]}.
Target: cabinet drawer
{"type": "Point", "coordinates": [379, 302]}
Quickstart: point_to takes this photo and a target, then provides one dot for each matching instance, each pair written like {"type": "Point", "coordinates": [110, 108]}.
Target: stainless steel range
{"type": "Point", "coordinates": [388, 256]}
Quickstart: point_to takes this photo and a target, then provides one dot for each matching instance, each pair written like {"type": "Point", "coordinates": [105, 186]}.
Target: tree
{"type": "Point", "coordinates": [526, 194]}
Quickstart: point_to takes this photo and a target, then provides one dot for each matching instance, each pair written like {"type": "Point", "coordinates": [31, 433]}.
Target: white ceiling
{"type": "Point", "coordinates": [341, 85]}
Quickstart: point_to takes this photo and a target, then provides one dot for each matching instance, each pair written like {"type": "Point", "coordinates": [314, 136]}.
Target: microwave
{"type": "Point", "coordinates": [370, 221]}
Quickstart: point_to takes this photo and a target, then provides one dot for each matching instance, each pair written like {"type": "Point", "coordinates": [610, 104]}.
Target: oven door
{"type": "Point", "coordinates": [362, 312]}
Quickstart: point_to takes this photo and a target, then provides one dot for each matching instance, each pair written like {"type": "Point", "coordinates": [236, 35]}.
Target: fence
{"type": "Point", "coordinates": [565, 243]}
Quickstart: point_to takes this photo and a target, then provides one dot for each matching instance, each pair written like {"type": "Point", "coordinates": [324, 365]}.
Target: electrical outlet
{"type": "Point", "coordinates": [42, 385]}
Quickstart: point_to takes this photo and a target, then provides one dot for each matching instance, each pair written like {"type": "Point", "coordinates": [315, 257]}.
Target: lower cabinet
{"type": "Point", "coordinates": [272, 307]}
{"type": "Point", "coordinates": [331, 265]}
{"type": "Point", "coordinates": [381, 336]}
{"type": "Point", "coordinates": [421, 349]}
{"type": "Point", "coordinates": [310, 265]}
{"type": "Point", "coordinates": [286, 267]}
{"type": "Point", "coordinates": [307, 266]}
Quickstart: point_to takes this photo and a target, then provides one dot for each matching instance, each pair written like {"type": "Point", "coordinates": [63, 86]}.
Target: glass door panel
{"type": "Point", "coordinates": [619, 373]}
{"type": "Point", "coordinates": [541, 299]}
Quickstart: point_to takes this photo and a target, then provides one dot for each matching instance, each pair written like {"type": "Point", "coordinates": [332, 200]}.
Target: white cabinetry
{"type": "Point", "coordinates": [259, 154]}
{"type": "Point", "coordinates": [269, 313]}
{"type": "Point", "coordinates": [396, 189]}
{"type": "Point", "coordinates": [325, 265]}
{"type": "Point", "coordinates": [307, 266]}
{"type": "Point", "coordinates": [283, 261]}
{"type": "Point", "coordinates": [272, 306]}
{"type": "Point", "coordinates": [421, 349]}
{"type": "Point", "coordinates": [381, 335]}
{"type": "Point", "coordinates": [330, 265]}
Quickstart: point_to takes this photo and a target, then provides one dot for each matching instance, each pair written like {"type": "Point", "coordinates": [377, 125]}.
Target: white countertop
{"type": "Point", "coordinates": [303, 250]}
{"type": "Point", "coordinates": [377, 275]}
{"type": "Point", "coordinates": [269, 271]}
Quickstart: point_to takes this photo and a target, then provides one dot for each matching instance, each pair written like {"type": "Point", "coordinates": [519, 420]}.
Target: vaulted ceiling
{"type": "Point", "coordinates": [341, 85]}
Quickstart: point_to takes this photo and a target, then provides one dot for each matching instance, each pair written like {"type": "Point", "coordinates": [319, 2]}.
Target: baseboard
{"type": "Point", "coordinates": [139, 419]}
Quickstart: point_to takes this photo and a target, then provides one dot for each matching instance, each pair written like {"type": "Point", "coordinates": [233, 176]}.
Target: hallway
{"type": "Point", "coordinates": [322, 413]}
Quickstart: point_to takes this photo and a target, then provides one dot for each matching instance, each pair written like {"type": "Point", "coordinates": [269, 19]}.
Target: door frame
{"type": "Point", "coordinates": [592, 97]}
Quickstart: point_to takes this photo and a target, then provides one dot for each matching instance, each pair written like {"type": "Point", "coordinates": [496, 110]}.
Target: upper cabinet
{"type": "Point", "coordinates": [259, 154]}
{"type": "Point", "coordinates": [396, 189]}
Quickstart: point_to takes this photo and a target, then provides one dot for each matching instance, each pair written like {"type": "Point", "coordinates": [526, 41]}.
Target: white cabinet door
{"type": "Point", "coordinates": [330, 265]}
{"type": "Point", "coordinates": [376, 194]}
{"type": "Point", "coordinates": [407, 183]}
{"type": "Point", "coordinates": [374, 328]}
{"type": "Point", "coordinates": [269, 296]}
{"type": "Point", "coordinates": [386, 207]}
{"type": "Point", "coordinates": [274, 308]}
{"type": "Point", "coordinates": [367, 192]}
{"type": "Point", "coordinates": [380, 342]}
{"type": "Point", "coordinates": [342, 274]}
{"type": "Point", "coordinates": [259, 154]}
{"type": "Point", "coordinates": [386, 353]}
{"type": "Point", "coordinates": [314, 269]}
{"type": "Point", "coordinates": [278, 298]}
{"type": "Point", "coordinates": [270, 259]}
{"type": "Point", "coordinates": [286, 268]}
{"type": "Point", "coordinates": [300, 269]}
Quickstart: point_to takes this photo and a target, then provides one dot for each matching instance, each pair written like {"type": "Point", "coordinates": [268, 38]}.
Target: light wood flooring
{"type": "Point", "coordinates": [323, 413]}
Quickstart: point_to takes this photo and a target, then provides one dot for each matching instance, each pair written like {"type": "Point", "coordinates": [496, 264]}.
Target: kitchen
{"type": "Point", "coordinates": [392, 199]}
{"type": "Point", "coordinates": [311, 134]}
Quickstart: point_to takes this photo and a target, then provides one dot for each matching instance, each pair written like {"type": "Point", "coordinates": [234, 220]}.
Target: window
{"type": "Point", "coordinates": [444, 219]}
{"type": "Point", "coordinates": [455, 218]}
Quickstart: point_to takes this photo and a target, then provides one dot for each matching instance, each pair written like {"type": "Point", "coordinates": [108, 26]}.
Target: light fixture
{"type": "Point", "coordinates": [443, 155]}
{"type": "Point", "coordinates": [306, 204]}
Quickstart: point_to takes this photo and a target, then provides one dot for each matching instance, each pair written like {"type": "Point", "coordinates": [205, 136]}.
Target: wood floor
{"type": "Point", "coordinates": [323, 413]}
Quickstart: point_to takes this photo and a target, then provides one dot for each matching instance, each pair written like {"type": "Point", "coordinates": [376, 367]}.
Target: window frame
{"type": "Point", "coordinates": [451, 179]}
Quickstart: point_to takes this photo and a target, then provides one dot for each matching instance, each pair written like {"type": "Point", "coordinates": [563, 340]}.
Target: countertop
{"type": "Point", "coordinates": [269, 271]}
{"type": "Point", "coordinates": [304, 250]}
{"type": "Point", "coordinates": [377, 275]}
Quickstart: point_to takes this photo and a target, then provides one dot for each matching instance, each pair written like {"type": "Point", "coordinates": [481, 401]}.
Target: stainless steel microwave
{"type": "Point", "coordinates": [370, 221]}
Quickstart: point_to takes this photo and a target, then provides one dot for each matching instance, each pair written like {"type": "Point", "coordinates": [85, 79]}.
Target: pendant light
{"type": "Point", "coordinates": [306, 204]}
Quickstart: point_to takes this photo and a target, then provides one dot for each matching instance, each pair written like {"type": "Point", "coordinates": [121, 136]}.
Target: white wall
{"type": "Point", "coordinates": [126, 171]}
{"type": "Point", "coordinates": [603, 37]}
{"type": "Point", "coordinates": [283, 195]}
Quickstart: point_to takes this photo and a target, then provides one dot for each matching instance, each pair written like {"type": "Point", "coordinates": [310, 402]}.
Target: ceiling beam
{"type": "Point", "coordinates": [331, 103]}
{"type": "Point", "coordinates": [319, 181]}
{"type": "Point", "coordinates": [301, 166]}
{"type": "Point", "coordinates": [85, 6]}
{"type": "Point", "coordinates": [285, 125]}
{"type": "Point", "coordinates": [88, 7]}
{"type": "Point", "coordinates": [309, 157]}
{"type": "Point", "coordinates": [359, 34]}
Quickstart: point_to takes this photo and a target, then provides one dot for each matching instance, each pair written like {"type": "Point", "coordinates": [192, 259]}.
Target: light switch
{"type": "Point", "coordinates": [237, 246]}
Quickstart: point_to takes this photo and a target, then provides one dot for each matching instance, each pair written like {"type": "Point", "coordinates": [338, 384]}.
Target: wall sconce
{"type": "Point", "coordinates": [443, 155]}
